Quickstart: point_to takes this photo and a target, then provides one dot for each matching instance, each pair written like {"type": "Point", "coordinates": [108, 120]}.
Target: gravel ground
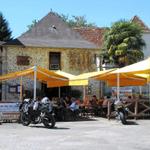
{"type": "Point", "coordinates": [97, 134]}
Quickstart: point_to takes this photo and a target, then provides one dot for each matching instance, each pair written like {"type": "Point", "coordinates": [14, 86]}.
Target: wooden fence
{"type": "Point", "coordinates": [138, 108]}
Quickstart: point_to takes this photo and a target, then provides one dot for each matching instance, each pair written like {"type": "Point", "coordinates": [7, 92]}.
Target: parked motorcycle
{"type": "Point", "coordinates": [121, 112]}
{"type": "Point", "coordinates": [37, 112]}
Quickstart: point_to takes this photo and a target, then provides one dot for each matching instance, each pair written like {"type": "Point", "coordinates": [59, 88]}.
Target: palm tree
{"type": "Point", "coordinates": [123, 43]}
{"type": "Point", "coordinates": [5, 33]}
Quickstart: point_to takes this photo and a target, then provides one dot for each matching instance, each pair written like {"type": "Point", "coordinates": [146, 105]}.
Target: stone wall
{"type": "Point", "coordinates": [74, 61]}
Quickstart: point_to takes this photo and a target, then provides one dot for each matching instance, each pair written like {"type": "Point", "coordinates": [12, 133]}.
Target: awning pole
{"type": "Point", "coordinates": [149, 87]}
{"type": "Point", "coordinates": [59, 92]}
{"type": "Point", "coordinates": [118, 86]}
{"type": "Point", "coordinates": [35, 76]}
{"type": "Point", "coordinates": [84, 91]}
{"type": "Point", "coordinates": [140, 90]}
{"type": "Point", "coordinates": [21, 92]}
{"type": "Point", "coordinates": [149, 91]}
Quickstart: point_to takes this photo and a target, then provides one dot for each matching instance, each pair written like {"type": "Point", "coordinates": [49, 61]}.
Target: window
{"type": "Point", "coordinates": [54, 61]}
{"type": "Point", "coordinates": [23, 60]}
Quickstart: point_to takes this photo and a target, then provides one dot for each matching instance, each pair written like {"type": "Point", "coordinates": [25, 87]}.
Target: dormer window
{"type": "Point", "coordinates": [52, 28]}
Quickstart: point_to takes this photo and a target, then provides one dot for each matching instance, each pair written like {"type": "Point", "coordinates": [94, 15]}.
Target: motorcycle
{"type": "Point", "coordinates": [121, 112]}
{"type": "Point", "coordinates": [37, 112]}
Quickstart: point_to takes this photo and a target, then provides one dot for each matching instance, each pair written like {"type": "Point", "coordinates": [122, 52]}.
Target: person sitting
{"type": "Point", "coordinates": [67, 101]}
{"type": "Point", "coordinates": [60, 110]}
{"type": "Point", "coordinates": [105, 104]}
{"type": "Point", "coordinates": [129, 99]}
{"type": "Point", "coordinates": [74, 105]}
{"type": "Point", "coordinates": [72, 111]}
{"type": "Point", "coordinates": [86, 102]}
{"type": "Point", "coordinates": [94, 105]}
{"type": "Point", "coordinates": [100, 101]}
{"type": "Point", "coordinates": [94, 101]}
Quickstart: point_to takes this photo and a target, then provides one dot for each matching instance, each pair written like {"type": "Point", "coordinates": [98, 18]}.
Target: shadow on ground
{"type": "Point", "coordinates": [80, 119]}
{"type": "Point", "coordinates": [55, 128]}
{"type": "Point", "coordinates": [129, 122]}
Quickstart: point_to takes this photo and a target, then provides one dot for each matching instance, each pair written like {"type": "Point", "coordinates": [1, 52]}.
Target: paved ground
{"type": "Point", "coordinates": [99, 134]}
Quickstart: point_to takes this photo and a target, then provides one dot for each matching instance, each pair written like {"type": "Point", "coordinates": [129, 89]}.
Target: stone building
{"type": "Point", "coordinates": [50, 44]}
{"type": "Point", "coordinates": [53, 45]}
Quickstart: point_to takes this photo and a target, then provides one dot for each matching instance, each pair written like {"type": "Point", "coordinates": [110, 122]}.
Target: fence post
{"type": "Point", "coordinates": [136, 109]}
{"type": "Point", "coordinates": [108, 111]}
{"type": "Point", "coordinates": [0, 117]}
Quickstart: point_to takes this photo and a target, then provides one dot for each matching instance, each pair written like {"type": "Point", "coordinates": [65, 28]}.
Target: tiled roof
{"type": "Point", "coordinates": [52, 31]}
{"type": "Point", "coordinates": [137, 20]}
{"type": "Point", "coordinates": [94, 35]}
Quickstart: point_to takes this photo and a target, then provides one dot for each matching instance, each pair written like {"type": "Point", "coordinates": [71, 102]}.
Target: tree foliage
{"type": "Point", "coordinates": [74, 21]}
{"type": "Point", "coordinates": [123, 43]}
{"type": "Point", "coordinates": [34, 22]}
{"type": "Point", "coordinates": [77, 21]}
{"type": "Point", "coordinates": [5, 32]}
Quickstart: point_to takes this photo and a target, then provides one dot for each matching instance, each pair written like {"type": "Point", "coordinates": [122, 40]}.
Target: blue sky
{"type": "Point", "coordinates": [20, 13]}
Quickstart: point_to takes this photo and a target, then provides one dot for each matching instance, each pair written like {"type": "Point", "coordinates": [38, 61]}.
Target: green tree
{"type": "Point", "coordinates": [5, 33]}
{"type": "Point", "coordinates": [123, 43]}
{"type": "Point", "coordinates": [79, 21]}
{"type": "Point", "coordinates": [34, 22]}
{"type": "Point", "coordinates": [74, 21]}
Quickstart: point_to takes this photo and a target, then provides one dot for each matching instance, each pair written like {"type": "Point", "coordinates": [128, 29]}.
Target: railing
{"type": "Point", "coordinates": [137, 109]}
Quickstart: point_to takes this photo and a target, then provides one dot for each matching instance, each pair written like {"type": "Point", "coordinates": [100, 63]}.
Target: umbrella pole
{"type": "Point", "coordinates": [84, 92]}
{"type": "Point", "coordinates": [35, 76]}
{"type": "Point", "coordinates": [149, 91]}
{"type": "Point", "coordinates": [118, 86]}
{"type": "Point", "coordinates": [21, 97]}
{"type": "Point", "coordinates": [149, 87]}
{"type": "Point", "coordinates": [59, 92]}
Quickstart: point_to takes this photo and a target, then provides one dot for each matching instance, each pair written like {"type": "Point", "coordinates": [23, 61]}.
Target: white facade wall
{"type": "Point", "coordinates": [146, 49]}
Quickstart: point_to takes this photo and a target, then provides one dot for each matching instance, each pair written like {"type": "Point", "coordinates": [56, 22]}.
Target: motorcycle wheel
{"type": "Point", "coordinates": [49, 122]}
{"type": "Point", "coordinates": [122, 118]}
{"type": "Point", "coordinates": [25, 120]}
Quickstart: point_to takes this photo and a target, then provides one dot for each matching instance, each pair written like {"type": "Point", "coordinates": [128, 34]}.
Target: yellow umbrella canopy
{"type": "Point", "coordinates": [142, 67]}
{"type": "Point", "coordinates": [124, 79]}
{"type": "Point", "coordinates": [144, 75]}
{"type": "Point", "coordinates": [82, 79]}
{"type": "Point", "coordinates": [135, 73]}
{"type": "Point", "coordinates": [58, 83]}
{"type": "Point", "coordinates": [16, 74]}
{"type": "Point", "coordinates": [132, 75]}
{"type": "Point", "coordinates": [44, 75]}
{"type": "Point", "coordinates": [127, 82]}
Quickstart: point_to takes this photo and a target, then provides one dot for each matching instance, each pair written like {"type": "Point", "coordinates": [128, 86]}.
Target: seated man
{"type": "Point", "coordinates": [105, 104]}
{"type": "Point", "coordinates": [94, 105]}
{"type": "Point", "coordinates": [94, 101]}
{"type": "Point", "coordinates": [74, 107]}
{"type": "Point", "coordinates": [86, 102]}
